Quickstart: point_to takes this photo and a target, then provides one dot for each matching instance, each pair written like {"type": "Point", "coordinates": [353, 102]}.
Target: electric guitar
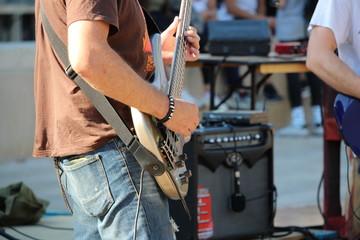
{"type": "Point", "coordinates": [347, 116]}
{"type": "Point", "coordinates": [163, 143]}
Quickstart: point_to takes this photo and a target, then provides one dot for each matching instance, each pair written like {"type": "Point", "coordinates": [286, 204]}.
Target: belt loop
{"type": "Point", "coordinates": [57, 169]}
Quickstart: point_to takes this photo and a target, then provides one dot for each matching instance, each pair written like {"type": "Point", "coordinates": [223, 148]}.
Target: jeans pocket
{"type": "Point", "coordinates": [87, 184]}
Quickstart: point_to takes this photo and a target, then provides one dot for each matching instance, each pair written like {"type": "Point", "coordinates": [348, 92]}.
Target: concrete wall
{"type": "Point", "coordinates": [17, 115]}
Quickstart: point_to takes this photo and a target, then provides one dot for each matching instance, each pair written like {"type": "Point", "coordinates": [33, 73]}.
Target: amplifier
{"type": "Point", "coordinates": [231, 156]}
{"type": "Point", "coordinates": [235, 117]}
{"type": "Point", "coordinates": [240, 37]}
{"type": "Point", "coordinates": [236, 164]}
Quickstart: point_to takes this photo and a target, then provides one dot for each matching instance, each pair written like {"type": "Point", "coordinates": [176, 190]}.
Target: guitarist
{"type": "Point", "coordinates": [109, 47]}
{"type": "Point", "coordinates": [335, 24]}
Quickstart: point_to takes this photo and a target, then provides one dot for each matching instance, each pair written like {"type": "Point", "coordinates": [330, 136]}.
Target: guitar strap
{"type": "Point", "coordinates": [146, 159]}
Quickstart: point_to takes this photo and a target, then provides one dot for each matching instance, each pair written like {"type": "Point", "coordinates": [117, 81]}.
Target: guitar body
{"type": "Point", "coordinates": [164, 144]}
{"type": "Point", "coordinates": [347, 116]}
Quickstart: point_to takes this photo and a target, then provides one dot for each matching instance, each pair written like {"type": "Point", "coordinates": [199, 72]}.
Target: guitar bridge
{"type": "Point", "coordinates": [169, 149]}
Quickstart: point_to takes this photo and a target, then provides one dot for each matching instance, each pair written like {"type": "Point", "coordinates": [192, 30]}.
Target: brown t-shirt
{"type": "Point", "coordinates": [67, 123]}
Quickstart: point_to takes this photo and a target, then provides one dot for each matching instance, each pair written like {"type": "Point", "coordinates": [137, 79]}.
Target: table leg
{"type": "Point", "coordinates": [253, 87]}
{"type": "Point", "coordinates": [212, 86]}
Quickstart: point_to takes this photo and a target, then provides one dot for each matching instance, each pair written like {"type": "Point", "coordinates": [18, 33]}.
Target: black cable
{"type": "Point", "coordinates": [15, 230]}
{"type": "Point", "coordinates": [7, 236]}
{"type": "Point", "coordinates": [55, 228]}
{"type": "Point", "coordinates": [23, 234]}
{"type": "Point", "coordinates": [274, 208]}
{"type": "Point", "coordinates": [2, 231]}
{"type": "Point", "coordinates": [326, 221]}
{"type": "Point", "coordinates": [292, 229]}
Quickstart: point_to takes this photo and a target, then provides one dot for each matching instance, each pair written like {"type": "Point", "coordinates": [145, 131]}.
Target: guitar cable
{"type": "Point", "coordinates": [138, 203]}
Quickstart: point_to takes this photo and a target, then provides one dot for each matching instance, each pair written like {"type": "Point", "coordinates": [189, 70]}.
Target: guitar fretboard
{"type": "Point", "coordinates": [178, 64]}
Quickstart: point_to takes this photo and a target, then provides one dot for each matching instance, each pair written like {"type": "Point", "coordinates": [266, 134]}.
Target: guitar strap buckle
{"type": "Point", "coordinates": [146, 159]}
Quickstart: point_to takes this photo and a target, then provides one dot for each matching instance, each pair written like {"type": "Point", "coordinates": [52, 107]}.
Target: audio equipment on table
{"type": "Point", "coordinates": [291, 48]}
{"type": "Point", "coordinates": [239, 37]}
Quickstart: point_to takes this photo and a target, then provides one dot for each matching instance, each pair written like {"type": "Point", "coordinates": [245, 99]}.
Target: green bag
{"type": "Point", "coordinates": [20, 206]}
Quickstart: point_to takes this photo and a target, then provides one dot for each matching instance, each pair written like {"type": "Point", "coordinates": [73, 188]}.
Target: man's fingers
{"type": "Point", "coordinates": [173, 26]}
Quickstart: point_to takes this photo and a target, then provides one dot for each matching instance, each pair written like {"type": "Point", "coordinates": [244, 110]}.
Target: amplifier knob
{"type": "Point", "coordinates": [210, 140]}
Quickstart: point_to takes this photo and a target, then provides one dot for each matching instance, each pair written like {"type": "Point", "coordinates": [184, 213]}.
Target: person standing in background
{"type": "Point", "coordinates": [291, 26]}
{"type": "Point", "coordinates": [334, 45]}
{"type": "Point", "coordinates": [207, 10]}
{"type": "Point", "coordinates": [245, 9]}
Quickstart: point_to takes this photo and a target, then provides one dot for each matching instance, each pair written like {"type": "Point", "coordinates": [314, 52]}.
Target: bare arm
{"type": "Point", "coordinates": [94, 60]}
{"type": "Point", "coordinates": [322, 60]}
{"type": "Point", "coordinates": [233, 9]}
{"type": "Point", "coordinates": [239, 12]}
{"type": "Point", "coordinates": [210, 13]}
{"type": "Point", "coordinates": [212, 5]}
{"type": "Point", "coordinates": [262, 7]}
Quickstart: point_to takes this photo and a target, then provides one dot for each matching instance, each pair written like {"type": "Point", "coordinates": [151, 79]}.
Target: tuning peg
{"type": "Point", "coordinates": [180, 164]}
{"type": "Point", "coordinates": [183, 157]}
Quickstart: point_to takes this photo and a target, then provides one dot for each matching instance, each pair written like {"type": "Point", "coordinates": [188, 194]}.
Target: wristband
{"type": "Point", "coordinates": [170, 113]}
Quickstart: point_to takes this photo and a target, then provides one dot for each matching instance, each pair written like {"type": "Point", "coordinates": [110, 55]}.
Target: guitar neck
{"type": "Point", "coordinates": [178, 63]}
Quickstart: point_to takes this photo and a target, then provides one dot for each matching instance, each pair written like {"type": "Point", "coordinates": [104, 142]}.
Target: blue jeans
{"type": "Point", "coordinates": [103, 186]}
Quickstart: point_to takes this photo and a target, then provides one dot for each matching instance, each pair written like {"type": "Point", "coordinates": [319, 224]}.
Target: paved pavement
{"type": "Point", "coordinates": [298, 165]}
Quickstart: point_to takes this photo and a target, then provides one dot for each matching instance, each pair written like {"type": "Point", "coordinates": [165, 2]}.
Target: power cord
{"type": "Point", "coordinates": [7, 236]}
{"type": "Point", "coordinates": [55, 228]}
{"type": "Point", "coordinates": [138, 203]}
{"type": "Point", "coordinates": [326, 221]}
{"type": "Point", "coordinates": [21, 233]}
{"type": "Point", "coordinates": [292, 229]}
